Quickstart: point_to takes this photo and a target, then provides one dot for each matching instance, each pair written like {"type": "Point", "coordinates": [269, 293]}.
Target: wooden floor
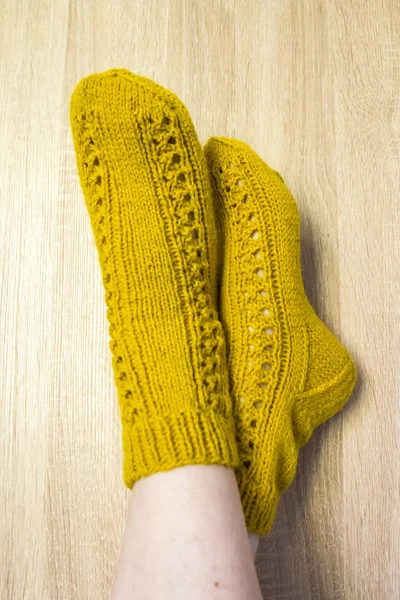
{"type": "Point", "coordinates": [314, 87]}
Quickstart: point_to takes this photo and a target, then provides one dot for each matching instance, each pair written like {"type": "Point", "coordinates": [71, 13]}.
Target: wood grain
{"type": "Point", "coordinates": [314, 87]}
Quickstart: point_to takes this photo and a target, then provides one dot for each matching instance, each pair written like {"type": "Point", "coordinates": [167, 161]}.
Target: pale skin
{"type": "Point", "coordinates": [186, 537]}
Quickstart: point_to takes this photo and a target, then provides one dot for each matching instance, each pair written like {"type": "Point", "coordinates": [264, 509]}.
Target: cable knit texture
{"type": "Point", "coordinates": [144, 180]}
{"type": "Point", "coordinates": [288, 373]}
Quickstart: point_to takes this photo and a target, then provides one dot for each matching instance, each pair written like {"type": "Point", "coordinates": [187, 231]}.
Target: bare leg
{"type": "Point", "coordinates": [253, 541]}
{"type": "Point", "coordinates": [186, 538]}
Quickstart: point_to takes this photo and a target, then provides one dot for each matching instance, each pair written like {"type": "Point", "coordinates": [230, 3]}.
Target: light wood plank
{"type": "Point", "coordinates": [314, 88]}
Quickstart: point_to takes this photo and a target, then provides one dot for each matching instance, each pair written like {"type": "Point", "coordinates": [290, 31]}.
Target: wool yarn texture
{"type": "Point", "coordinates": [144, 179]}
{"type": "Point", "coordinates": [288, 372]}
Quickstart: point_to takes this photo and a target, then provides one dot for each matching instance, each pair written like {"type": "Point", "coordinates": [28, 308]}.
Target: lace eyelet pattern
{"type": "Point", "coordinates": [254, 304]}
{"type": "Point", "coordinates": [93, 178]}
{"type": "Point", "coordinates": [180, 190]}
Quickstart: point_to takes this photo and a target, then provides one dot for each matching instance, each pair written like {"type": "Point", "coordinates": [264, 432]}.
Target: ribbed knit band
{"type": "Point", "coordinates": [161, 443]}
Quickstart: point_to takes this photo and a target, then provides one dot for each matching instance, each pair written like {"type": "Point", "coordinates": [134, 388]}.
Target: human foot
{"type": "Point", "coordinates": [144, 180]}
{"type": "Point", "coordinates": [288, 372]}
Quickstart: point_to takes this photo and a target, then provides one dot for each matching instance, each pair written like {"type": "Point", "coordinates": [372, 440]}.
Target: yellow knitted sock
{"type": "Point", "coordinates": [288, 372]}
{"type": "Point", "coordinates": [144, 180]}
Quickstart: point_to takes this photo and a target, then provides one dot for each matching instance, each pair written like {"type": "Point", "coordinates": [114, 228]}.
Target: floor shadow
{"type": "Point", "coordinates": [309, 261]}
{"type": "Point", "coordinates": [290, 563]}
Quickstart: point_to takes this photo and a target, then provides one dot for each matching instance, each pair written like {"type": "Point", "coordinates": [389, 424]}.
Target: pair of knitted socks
{"type": "Point", "coordinates": [185, 397]}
